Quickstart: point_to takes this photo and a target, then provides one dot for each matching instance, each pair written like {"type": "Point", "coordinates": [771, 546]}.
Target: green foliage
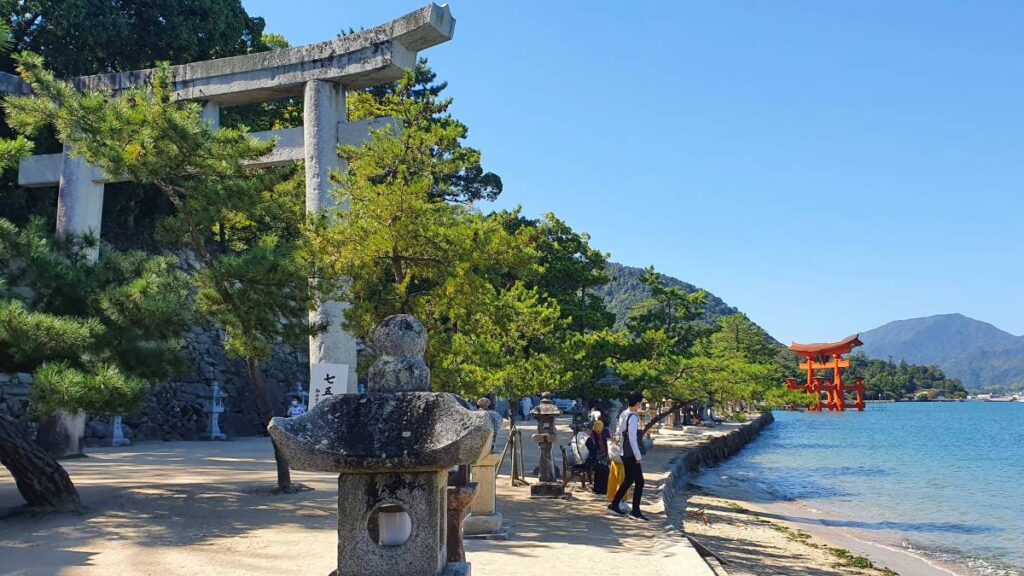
{"type": "Point", "coordinates": [738, 337]}
{"type": "Point", "coordinates": [80, 37]}
{"type": "Point", "coordinates": [627, 288]}
{"type": "Point", "coordinates": [244, 225]}
{"type": "Point", "coordinates": [27, 339]}
{"type": "Point", "coordinates": [103, 389]}
{"type": "Point", "coordinates": [673, 354]}
{"type": "Point", "coordinates": [404, 250]}
{"type": "Point", "coordinates": [12, 151]}
{"type": "Point", "coordinates": [129, 34]}
{"type": "Point", "coordinates": [671, 310]}
{"type": "Point", "coordinates": [264, 300]}
{"type": "Point", "coordinates": [126, 309]}
{"type": "Point", "coordinates": [500, 349]}
{"type": "Point", "coordinates": [571, 269]}
{"type": "Point", "coordinates": [454, 172]}
{"type": "Point", "coordinates": [889, 381]}
{"type": "Point", "coordinates": [90, 331]}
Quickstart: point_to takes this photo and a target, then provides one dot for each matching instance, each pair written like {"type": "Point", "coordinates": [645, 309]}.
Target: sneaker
{"type": "Point", "coordinates": [625, 508]}
{"type": "Point", "coordinates": [639, 516]}
{"type": "Point", "coordinates": [614, 510]}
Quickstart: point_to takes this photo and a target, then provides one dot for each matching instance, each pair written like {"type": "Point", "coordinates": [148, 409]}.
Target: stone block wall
{"type": "Point", "coordinates": [174, 410]}
{"type": "Point", "coordinates": [716, 449]}
{"type": "Point", "coordinates": [14, 399]}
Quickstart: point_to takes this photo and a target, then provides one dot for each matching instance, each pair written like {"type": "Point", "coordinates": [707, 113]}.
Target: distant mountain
{"type": "Point", "coordinates": [976, 353]}
{"type": "Point", "coordinates": [627, 290]}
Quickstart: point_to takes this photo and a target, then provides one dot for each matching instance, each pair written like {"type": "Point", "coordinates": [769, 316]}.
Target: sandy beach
{"type": "Point", "coordinates": [756, 536]}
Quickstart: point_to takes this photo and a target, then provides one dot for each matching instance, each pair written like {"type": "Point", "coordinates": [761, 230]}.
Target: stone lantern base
{"type": "Point", "coordinates": [422, 495]}
{"type": "Point", "coordinates": [486, 527]}
{"type": "Point", "coordinates": [547, 490]}
{"type": "Point", "coordinates": [452, 569]}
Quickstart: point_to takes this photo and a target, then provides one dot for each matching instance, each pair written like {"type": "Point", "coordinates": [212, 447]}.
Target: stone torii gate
{"type": "Point", "coordinates": [319, 73]}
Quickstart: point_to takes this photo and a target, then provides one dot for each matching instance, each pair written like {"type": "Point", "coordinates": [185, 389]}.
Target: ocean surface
{"type": "Point", "coordinates": [944, 480]}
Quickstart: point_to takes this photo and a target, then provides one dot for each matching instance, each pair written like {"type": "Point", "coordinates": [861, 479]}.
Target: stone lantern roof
{"type": "Point", "coordinates": [610, 379]}
{"type": "Point", "coordinates": [546, 408]}
{"type": "Point", "coordinates": [383, 431]}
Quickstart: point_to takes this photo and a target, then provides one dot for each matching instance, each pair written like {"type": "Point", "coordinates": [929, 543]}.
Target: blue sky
{"type": "Point", "coordinates": [824, 166]}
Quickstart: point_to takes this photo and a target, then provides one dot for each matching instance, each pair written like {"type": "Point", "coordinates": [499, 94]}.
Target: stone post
{"type": "Point", "coordinates": [117, 437]}
{"type": "Point", "coordinates": [324, 110]}
{"type": "Point", "coordinates": [485, 521]}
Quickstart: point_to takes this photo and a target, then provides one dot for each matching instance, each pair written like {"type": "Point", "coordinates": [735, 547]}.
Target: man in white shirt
{"type": "Point", "coordinates": [632, 454]}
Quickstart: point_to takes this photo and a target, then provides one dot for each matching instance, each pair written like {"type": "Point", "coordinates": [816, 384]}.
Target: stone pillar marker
{"type": "Point", "coordinates": [392, 448]}
{"type": "Point", "coordinates": [485, 521]}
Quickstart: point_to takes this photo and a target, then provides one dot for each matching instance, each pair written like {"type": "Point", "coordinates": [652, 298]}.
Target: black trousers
{"type": "Point", "coordinates": [600, 478]}
{"type": "Point", "coordinates": [635, 478]}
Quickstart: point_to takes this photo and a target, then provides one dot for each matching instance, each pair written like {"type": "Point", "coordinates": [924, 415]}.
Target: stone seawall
{"type": "Point", "coordinates": [708, 453]}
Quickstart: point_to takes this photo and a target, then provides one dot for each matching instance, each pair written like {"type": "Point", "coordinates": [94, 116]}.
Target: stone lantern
{"type": "Point", "coordinates": [546, 435]}
{"type": "Point", "coordinates": [300, 391]}
{"type": "Point", "coordinates": [392, 448]}
{"type": "Point", "coordinates": [214, 407]}
{"type": "Point", "coordinates": [615, 407]}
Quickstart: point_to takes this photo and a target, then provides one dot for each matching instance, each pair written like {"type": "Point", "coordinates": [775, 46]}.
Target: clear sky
{"type": "Point", "coordinates": [826, 167]}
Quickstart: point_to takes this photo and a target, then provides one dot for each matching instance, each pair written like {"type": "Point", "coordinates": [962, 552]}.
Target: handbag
{"type": "Point", "coordinates": [615, 451]}
{"type": "Point", "coordinates": [639, 435]}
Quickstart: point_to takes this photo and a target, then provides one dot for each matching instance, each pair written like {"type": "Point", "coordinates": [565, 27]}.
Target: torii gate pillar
{"type": "Point", "coordinates": [79, 200]}
{"type": "Point", "coordinates": [324, 123]}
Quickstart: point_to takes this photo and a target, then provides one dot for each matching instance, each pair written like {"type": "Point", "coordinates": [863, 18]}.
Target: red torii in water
{"type": "Point", "coordinates": [828, 357]}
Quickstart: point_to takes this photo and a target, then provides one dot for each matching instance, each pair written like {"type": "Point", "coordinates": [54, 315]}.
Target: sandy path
{"type": "Point", "coordinates": [196, 508]}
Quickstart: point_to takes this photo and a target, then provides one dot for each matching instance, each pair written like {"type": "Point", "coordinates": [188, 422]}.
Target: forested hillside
{"type": "Point", "coordinates": [895, 381]}
{"type": "Point", "coordinates": [627, 289]}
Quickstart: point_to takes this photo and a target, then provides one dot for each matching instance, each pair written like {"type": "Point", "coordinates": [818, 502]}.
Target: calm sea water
{"type": "Point", "coordinates": [946, 479]}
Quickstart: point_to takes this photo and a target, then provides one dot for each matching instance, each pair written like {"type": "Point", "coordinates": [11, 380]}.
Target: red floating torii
{"type": "Point", "coordinates": [828, 356]}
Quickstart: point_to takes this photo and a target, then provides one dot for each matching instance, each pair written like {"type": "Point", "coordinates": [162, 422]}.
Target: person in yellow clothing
{"type": "Point", "coordinates": [616, 471]}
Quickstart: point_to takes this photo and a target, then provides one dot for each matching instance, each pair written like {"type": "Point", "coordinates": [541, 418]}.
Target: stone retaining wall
{"type": "Point", "coordinates": [714, 450]}
{"type": "Point", "coordinates": [174, 411]}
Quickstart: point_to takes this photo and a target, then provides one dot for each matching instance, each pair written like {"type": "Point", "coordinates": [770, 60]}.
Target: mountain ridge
{"type": "Point", "coordinates": [975, 352]}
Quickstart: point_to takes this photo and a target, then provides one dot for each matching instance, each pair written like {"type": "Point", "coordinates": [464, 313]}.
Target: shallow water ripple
{"type": "Point", "coordinates": [943, 478]}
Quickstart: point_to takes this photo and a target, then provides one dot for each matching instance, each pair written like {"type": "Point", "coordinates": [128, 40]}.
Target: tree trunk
{"type": "Point", "coordinates": [42, 481]}
{"type": "Point", "coordinates": [284, 475]}
{"type": "Point", "coordinates": [660, 416]}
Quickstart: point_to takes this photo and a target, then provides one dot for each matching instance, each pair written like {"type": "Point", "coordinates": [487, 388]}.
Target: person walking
{"type": "Point", "coordinates": [632, 454]}
{"type": "Point", "coordinates": [597, 457]}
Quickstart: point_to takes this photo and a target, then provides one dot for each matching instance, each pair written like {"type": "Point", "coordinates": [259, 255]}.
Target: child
{"type": "Point", "coordinates": [296, 409]}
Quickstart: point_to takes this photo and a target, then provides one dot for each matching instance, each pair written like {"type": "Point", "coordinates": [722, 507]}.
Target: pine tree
{"type": "Point", "coordinates": [91, 333]}
{"type": "Point", "coordinates": [244, 225]}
